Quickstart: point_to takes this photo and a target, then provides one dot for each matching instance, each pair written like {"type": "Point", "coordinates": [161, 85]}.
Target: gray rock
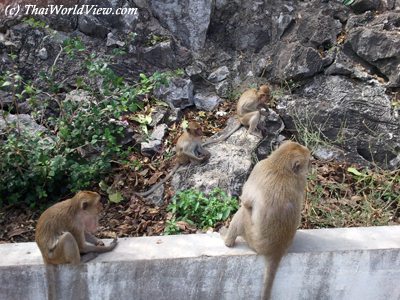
{"type": "Point", "coordinates": [178, 94]}
{"type": "Point", "coordinates": [395, 163]}
{"type": "Point", "coordinates": [342, 65]}
{"type": "Point", "coordinates": [157, 197]}
{"type": "Point", "coordinates": [219, 74]}
{"type": "Point", "coordinates": [166, 55]}
{"type": "Point", "coordinates": [283, 22]}
{"type": "Point", "coordinates": [318, 30]}
{"type": "Point", "coordinates": [157, 115]}
{"type": "Point", "coordinates": [328, 153]}
{"type": "Point", "coordinates": [151, 148]}
{"type": "Point", "coordinates": [92, 26]}
{"type": "Point", "coordinates": [154, 145]}
{"type": "Point", "coordinates": [271, 123]}
{"type": "Point", "coordinates": [377, 43]}
{"type": "Point", "coordinates": [361, 6]}
{"type": "Point", "coordinates": [80, 96]}
{"type": "Point", "coordinates": [113, 41]}
{"type": "Point", "coordinates": [193, 70]}
{"type": "Point", "coordinates": [254, 35]}
{"type": "Point", "coordinates": [206, 101]}
{"type": "Point", "coordinates": [159, 132]}
{"type": "Point", "coordinates": [100, 25]}
{"type": "Point", "coordinates": [6, 99]}
{"type": "Point", "coordinates": [354, 116]}
{"type": "Point", "coordinates": [22, 121]}
{"type": "Point", "coordinates": [228, 167]}
{"type": "Point", "coordinates": [271, 126]}
{"type": "Point", "coordinates": [223, 89]}
{"type": "Point", "coordinates": [294, 61]}
{"type": "Point", "coordinates": [188, 20]}
{"type": "Point", "coordinates": [42, 54]}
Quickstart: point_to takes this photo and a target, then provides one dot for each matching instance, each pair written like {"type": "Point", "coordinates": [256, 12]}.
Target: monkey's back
{"type": "Point", "coordinates": [248, 96]}
{"type": "Point", "coordinates": [276, 210]}
{"type": "Point", "coordinates": [52, 223]}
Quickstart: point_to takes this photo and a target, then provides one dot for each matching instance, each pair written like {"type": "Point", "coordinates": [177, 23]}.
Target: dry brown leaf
{"type": "Point", "coordinates": [144, 172]}
{"type": "Point", "coordinates": [356, 198]}
{"type": "Point", "coordinates": [153, 179]}
{"type": "Point", "coordinates": [17, 231]}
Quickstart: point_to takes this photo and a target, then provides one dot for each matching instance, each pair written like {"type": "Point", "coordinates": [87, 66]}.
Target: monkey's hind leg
{"type": "Point", "coordinates": [235, 228]}
{"type": "Point", "coordinates": [65, 250]}
{"type": "Point", "coordinates": [253, 123]}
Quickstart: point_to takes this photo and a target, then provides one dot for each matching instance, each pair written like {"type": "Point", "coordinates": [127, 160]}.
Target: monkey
{"type": "Point", "coordinates": [251, 105]}
{"type": "Point", "coordinates": [65, 230]}
{"type": "Point", "coordinates": [272, 200]}
{"type": "Point", "coordinates": [188, 150]}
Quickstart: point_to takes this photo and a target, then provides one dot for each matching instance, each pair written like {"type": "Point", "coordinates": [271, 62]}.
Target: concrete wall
{"type": "Point", "coordinates": [345, 263]}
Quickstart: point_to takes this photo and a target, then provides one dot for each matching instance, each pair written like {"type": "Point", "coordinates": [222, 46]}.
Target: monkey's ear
{"type": "Point", "coordinates": [85, 205]}
{"type": "Point", "coordinates": [296, 165]}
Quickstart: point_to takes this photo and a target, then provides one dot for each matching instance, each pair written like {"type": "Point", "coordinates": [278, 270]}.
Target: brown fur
{"type": "Point", "coordinates": [272, 200]}
{"type": "Point", "coordinates": [248, 110]}
{"type": "Point", "coordinates": [188, 150]}
{"type": "Point", "coordinates": [65, 230]}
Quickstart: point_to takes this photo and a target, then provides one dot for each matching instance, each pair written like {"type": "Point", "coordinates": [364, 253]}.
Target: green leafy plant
{"type": "Point", "coordinates": [72, 46]}
{"type": "Point", "coordinates": [81, 139]}
{"type": "Point", "coordinates": [113, 195]}
{"type": "Point", "coordinates": [35, 23]}
{"type": "Point", "coordinates": [200, 210]}
{"type": "Point", "coordinates": [155, 39]}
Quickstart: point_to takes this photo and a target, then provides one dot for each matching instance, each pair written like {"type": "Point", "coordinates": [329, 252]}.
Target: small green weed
{"type": "Point", "coordinates": [199, 210]}
{"type": "Point", "coordinates": [72, 46]}
{"type": "Point", "coordinates": [155, 39]}
{"type": "Point", "coordinates": [35, 23]}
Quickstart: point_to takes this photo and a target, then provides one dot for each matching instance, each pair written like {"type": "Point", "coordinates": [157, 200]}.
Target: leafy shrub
{"type": "Point", "coordinates": [202, 211]}
{"type": "Point", "coordinates": [82, 138]}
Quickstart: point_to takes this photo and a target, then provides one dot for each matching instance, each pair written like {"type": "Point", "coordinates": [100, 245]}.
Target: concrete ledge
{"type": "Point", "coordinates": [345, 263]}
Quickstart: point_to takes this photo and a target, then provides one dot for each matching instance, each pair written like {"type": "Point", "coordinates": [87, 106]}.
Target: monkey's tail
{"type": "Point", "coordinates": [51, 281]}
{"type": "Point", "coordinates": [162, 181]}
{"type": "Point", "coordinates": [223, 137]}
{"type": "Point", "coordinates": [271, 266]}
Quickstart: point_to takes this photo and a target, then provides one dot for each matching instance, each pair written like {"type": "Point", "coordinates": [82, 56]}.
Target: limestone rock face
{"type": "Point", "coordinates": [378, 43]}
{"type": "Point", "coordinates": [187, 20]}
{"type": "Point", "coordinates": [356, 116]}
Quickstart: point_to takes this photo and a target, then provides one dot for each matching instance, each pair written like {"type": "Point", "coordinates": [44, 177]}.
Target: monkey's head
{"type": "Point", "coordinates": [89, 206]}
{"type": "Point", "coordinates": [88, 201]}
{"type": "Point", "coordinates": [264, 95]}
{"type": "Point", "coordinates": [194, 129]}
{"type": "Point", "coordinates": [296, 156]}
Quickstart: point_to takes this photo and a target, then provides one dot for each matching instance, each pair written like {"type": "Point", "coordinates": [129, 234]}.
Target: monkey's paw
{"type": "Point", "coordinates": [264, 112]}
{"type": "Point", "coordinates": [99, 243]}
{"type": "Point", "coordinates": [229, 243]}
{"type": "Point", "coordinates": [114, 243]}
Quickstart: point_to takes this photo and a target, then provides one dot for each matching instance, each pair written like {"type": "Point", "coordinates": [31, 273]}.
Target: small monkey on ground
{"type": "Point", "coordinates": [272, 200]}
{"type": "Point", "coordinates": [65, 230]}
{"type": "Point", "coordinates": [251, 105]}
{"type": "Point", "coordinates": [188, 150]}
